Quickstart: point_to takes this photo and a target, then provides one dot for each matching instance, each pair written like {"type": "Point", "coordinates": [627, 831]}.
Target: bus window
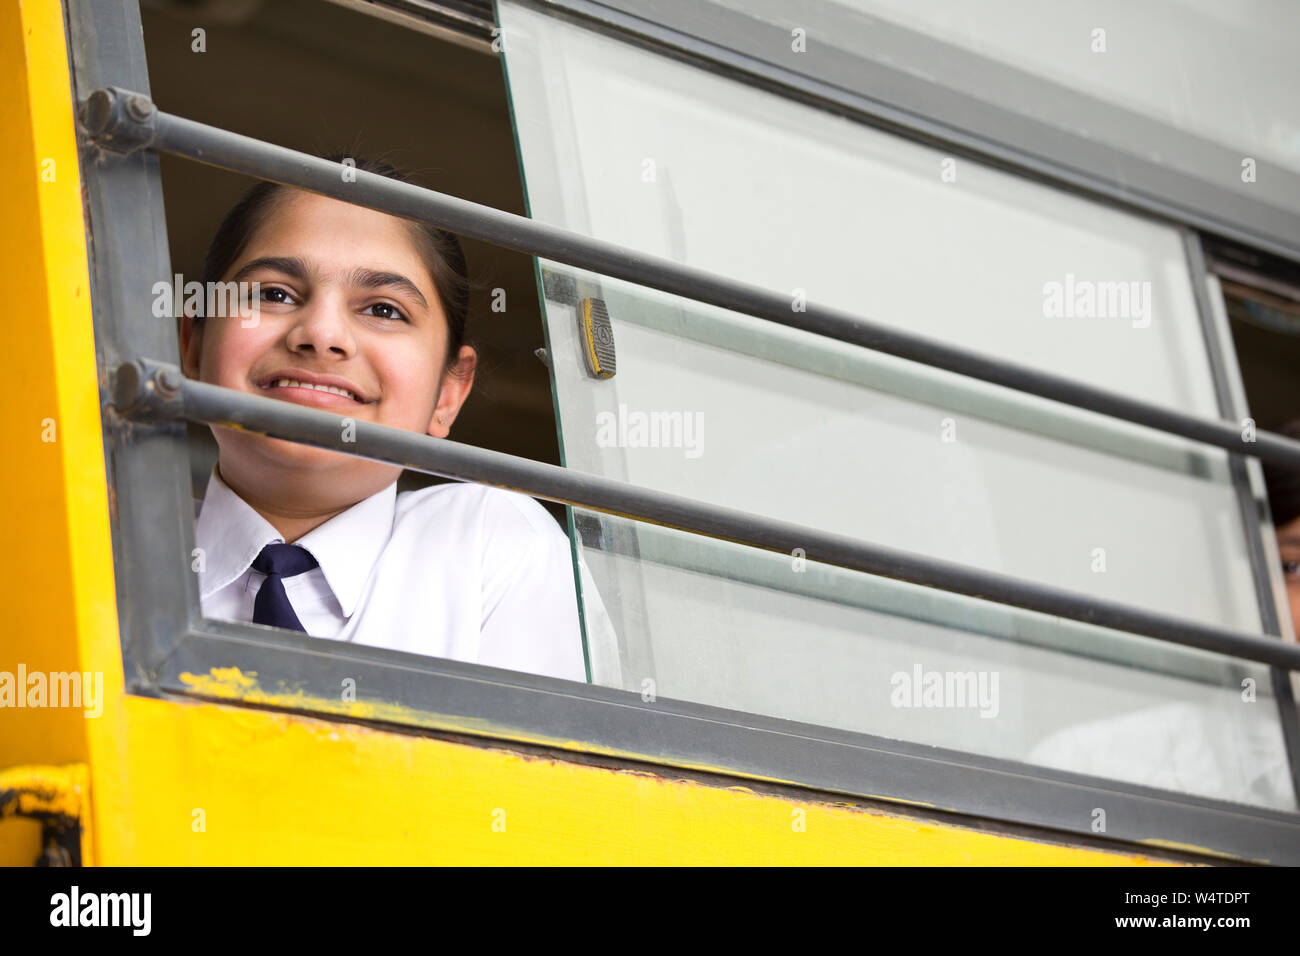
{"type": "Point", "coordinates": [725, 428]}
{"type": "Point", "coordinates": [705, 170]}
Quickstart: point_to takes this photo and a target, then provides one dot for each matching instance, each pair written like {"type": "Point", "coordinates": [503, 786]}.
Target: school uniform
{"type": "Point", "coordinates": [460, 571]}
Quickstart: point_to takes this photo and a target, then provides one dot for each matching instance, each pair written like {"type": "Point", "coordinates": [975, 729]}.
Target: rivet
{"type": "Point", "coordinates": [139, 107]}
{"type": "Point", "coordinates": [167, 381]}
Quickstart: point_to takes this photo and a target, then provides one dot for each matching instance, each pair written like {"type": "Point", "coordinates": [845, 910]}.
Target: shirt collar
{"type": "Point", "coordinates": [348, 545]}
{"type": "Point", "coordinates": [231, 535]}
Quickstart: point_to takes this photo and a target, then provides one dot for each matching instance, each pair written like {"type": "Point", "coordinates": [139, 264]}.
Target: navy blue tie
{"type": "Point", "coordinates": [277, 562]}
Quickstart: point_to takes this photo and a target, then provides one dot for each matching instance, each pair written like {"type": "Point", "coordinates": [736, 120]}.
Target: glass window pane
{"type": "Point", "coordinates": [716, 623]}
{"type": "Point", "coordinates": [728, 409]}
{"type": "Point", "coordinates": [631, 147]}
{"type": "Point", "coordinates": [738, 412]}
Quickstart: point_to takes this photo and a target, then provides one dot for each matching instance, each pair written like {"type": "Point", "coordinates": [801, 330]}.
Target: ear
{"type": "Point", "coordinates": [457, 380]}
{"type": "Point", "coordinates": [191, 346]}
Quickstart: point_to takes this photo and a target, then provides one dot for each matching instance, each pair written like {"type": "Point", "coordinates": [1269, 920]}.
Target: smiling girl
{"type": "Point", "coordinates": [363, 314]}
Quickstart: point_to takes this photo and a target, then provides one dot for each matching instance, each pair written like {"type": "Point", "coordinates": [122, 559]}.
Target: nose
{"type": "Point", "coordinates": [322, 328]}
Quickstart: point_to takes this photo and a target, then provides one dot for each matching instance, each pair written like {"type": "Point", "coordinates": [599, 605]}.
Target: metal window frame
{"type": "Point", "coordinates": [164, 637]}
{"type": "Point", "coordinates": [468, 23]}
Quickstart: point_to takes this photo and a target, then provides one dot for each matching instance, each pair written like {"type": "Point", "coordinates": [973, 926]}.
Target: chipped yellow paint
{"type": "Point", "coordinates": [215, 784]}
{"type": "Point", "coordinates": [56, 790]}
{"type": "Point", "coordinates": [1177, 847]}
{"type": "Point", "coordinates": [35, 791]}
{"type": "Point", "coordinates": [233, 684]}
{"type": "Point", "coordinates": [228, 682]}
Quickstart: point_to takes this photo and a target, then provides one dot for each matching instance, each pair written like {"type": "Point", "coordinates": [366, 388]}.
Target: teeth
{"type": "Point", "coordinates": [294, 383]}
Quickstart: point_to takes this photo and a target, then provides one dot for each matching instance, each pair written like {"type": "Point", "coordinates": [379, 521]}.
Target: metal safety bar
{"type": "Point", "coordinates": [123, 121]}
{"type": "Point", "coordinates": [148, 389]}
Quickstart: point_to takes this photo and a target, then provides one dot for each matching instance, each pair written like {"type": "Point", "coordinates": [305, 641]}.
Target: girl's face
{"type": "Point", "coordinates": [346, 303]}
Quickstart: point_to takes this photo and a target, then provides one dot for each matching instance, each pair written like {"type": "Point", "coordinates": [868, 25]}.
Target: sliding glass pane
{"type": "Point", "coordinates": [631, 147]}
{"type": "Point", "coordinates": [738, 412]}
{"type": "Point", "coordinates": [716, 623]}
{"type": "Point", "coordinates": [730, 410]}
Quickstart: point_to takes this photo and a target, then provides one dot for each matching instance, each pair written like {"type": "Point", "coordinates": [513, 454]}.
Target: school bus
{"type": "Point", "coordinates": [901, 374]}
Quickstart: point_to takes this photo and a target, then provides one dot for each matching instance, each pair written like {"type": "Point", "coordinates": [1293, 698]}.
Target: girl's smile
{"type": "Point", "coordinates": [327, 391]}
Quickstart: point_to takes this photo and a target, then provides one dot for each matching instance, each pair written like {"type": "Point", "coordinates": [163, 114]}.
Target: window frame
{"type": "Point", "coordinates": [166, 642]}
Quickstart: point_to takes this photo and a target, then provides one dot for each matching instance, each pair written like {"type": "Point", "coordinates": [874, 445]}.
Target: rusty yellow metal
{"type": "Point", "coordinates": [33, 791]}
{"type": "Point", "coordinates": [45, 794]}
{"type": "Point", "coordinates": [186, 781]}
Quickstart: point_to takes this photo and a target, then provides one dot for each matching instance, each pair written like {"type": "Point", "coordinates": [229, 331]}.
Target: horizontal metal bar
{"type": "Point", "coordinates": [118, 119]}
{"type": "Point", "coordinates": [150, 389]}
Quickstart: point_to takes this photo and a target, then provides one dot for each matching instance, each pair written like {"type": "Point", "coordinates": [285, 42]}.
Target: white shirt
{"type": "Point", "coordinates": [1232, 752]}
{"type": "Point", "coordinates": [460, 571]}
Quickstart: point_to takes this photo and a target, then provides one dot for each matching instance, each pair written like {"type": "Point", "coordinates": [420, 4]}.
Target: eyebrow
{"type": "Point", "coordinates": [295, 268]}
{"type": "Point", "coordinates": [371, 279]}
{"type": "Point", "coordinates": [291, 266]}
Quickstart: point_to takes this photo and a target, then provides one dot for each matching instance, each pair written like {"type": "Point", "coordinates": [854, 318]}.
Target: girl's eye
{"type": "Point", "coordinates": [1291, 567]}
{"type": "Point", "coordinates": [277, 295]}
{"type": "Point", "coordinates": [386, 310]}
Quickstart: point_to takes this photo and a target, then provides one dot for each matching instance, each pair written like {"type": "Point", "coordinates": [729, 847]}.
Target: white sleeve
{"type": "Point", "coordinates": [602, 640]}
{"type": "Point", "coordinates": [530, 609]}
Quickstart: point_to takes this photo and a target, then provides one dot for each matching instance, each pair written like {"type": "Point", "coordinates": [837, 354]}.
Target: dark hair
{"type": "Point", "coordinates": [1284, 483]}
{"type": "Point", "coordinates": [441, 250]}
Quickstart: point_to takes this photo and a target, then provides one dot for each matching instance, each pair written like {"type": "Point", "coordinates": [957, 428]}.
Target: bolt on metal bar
{"type": "Point", "coordinates": [148, 389]}
{"type": "Point", "coordinates": [137, 125]}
